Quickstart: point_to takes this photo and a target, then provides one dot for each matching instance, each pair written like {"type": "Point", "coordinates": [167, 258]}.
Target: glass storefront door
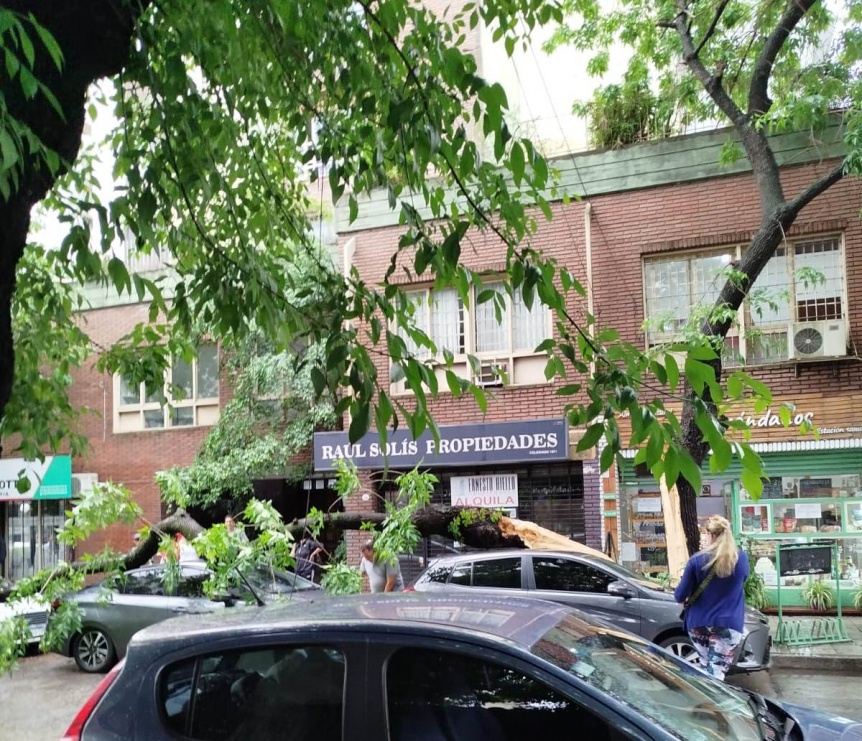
{"type": "Point", "coordinates": [31, 541]}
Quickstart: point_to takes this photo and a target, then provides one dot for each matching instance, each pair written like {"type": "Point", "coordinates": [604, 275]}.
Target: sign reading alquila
{"type": "Point", "coordinates": [495, 490]}
{"type": "Point", "coordinates": [488, 442]}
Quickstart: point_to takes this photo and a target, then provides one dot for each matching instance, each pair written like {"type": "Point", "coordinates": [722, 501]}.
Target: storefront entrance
{"type": "Point", "coordinates": [30, 514]}
{"type": "Point", "coordinates": [31, 542]}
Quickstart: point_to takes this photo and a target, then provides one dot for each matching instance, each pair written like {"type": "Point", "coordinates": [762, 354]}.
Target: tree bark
{"type": "Point", "coordinates": [178, 522]}
{"type": "Point", "coordinates": [95, 38]}
{"type": "Point", "coordinates": [777, 215]}
{"type": "Point", "coordinates": [433, 520]}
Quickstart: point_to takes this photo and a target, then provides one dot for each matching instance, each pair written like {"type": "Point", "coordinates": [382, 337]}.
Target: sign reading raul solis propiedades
{"type": "Point", "coordinates": [528, 441]}
{"type": "Point", "coordinates": [48, 479]}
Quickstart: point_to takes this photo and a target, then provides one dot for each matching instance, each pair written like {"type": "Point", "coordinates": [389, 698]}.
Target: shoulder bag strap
{"type": "Point", "coordinates": [698, 590]}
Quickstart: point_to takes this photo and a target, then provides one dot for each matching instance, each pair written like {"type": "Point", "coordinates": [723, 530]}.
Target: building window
{"type": "Point", "coordinates": [502, 333]}
{"type": "Point", "coordinates": [190, 397]}
{"type": "Point", "coordinates": [796, 309]}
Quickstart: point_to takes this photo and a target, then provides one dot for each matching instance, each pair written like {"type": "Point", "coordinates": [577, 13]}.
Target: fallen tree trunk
{"type": "Point", "coordinates": [177, 522]}
{"type": "Point", "coordinates": [482, 532]}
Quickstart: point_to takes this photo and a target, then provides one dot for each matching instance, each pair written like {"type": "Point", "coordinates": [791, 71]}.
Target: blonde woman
{"type": "Point", "coordinates": [712, 593]}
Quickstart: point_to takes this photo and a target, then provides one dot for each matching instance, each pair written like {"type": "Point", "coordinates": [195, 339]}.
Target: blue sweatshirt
{"type": "Point", "coordinates": [722, 603]}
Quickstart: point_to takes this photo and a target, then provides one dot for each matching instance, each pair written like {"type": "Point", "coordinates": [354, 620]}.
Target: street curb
{"type": "Point", "coordinates": [844, 664]}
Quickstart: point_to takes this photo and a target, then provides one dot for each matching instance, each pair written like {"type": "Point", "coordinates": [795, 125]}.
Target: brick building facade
{"type": "Point", "coordinates": [653, 229]}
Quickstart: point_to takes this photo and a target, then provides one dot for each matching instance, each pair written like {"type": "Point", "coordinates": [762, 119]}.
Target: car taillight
{"type": "Point", "coordinates": [73, 733]}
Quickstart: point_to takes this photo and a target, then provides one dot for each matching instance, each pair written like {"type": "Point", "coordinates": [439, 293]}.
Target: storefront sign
{"type": "Point", "coordinates": [48, 479]}
{"type": "Point", "coordinates": [495, 490]}
{"type": "Point", "coordinates": [528, 441]}
{"type": "Point", "coordinates": [771, 418]}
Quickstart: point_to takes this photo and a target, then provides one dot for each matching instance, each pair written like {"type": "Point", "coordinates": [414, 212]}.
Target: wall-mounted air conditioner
{"type": "Point", "coordinates": [492, 373]}
{"type": "Point", "coordinates": [83, 482]}
{"type": "Point", "coordinates": [822, 339]}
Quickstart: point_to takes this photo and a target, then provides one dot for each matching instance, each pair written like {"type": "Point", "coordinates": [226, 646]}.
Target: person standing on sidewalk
{"type": "Point", "coordinates": [382, 576]}
{"type": "Point", "coordinates": [713, 597]}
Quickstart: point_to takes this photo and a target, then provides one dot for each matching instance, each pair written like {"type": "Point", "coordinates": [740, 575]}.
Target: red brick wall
{"type": "Point", "coordinates": [131, 459]}
{"type": "Point", "coordinates": [624, 228]}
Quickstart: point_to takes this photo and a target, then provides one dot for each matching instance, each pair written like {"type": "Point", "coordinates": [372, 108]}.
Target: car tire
{"type": "Point", "coordinates": [94, 651]}
{"type": "Point", "coordinates": [680, 645]}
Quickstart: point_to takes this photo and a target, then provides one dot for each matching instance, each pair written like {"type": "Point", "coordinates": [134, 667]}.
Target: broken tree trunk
{"type": "Point", "coordinates": [677, 550]}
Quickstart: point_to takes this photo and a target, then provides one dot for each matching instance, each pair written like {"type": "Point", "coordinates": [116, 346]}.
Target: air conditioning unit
{"type": "Point", "coordinates": [83, 482]}
{"type": "Point", "coordinates": [492, 373]}
{"type": "Point", "coordinates": [823, 339]}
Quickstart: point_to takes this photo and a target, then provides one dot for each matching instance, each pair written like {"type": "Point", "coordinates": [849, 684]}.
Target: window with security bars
{"type": "Point", "coordinates": [189, 398]}
{"type": "Point", "coordinates": [502, 332]}
{"type": "Point", "coordinates": [799, 293]}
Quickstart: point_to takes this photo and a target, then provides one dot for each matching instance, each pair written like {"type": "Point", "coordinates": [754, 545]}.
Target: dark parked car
{"type": "Point", "coordinates": [597, 586]}
{"type": "Point", "coordinates": [115, 609]}
{"type": "Point", "coordinates": [422, 667]}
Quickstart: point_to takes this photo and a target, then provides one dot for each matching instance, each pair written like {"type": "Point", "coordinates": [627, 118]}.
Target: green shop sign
{"type": "Point", "coordinates": [48, 479]}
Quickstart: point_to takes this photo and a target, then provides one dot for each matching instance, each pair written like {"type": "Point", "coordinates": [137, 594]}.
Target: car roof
{"type": "Point", "coordinates": [519, 620]}
{"type": "Point", "coordinates": [485, 555]}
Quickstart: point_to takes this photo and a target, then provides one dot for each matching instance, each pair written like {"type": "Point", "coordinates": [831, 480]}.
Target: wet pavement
{"type": "Point", "coordinates": [829, 692]}
{"type": "Point", "coordinates": [41, 697]}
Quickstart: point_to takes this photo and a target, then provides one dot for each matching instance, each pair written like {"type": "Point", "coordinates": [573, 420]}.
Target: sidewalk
{"type": "Point", "coordinates": [844, 657]}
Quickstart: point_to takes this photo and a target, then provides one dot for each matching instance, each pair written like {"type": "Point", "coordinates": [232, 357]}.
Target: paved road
{"type": "Point", "coordinates": [39, 700]}
{"type": "Point", "coordinates": [826, 691]}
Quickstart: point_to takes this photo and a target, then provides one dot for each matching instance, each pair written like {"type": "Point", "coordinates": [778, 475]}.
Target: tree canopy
{"type": "Point", "coordinates": [226, 112]}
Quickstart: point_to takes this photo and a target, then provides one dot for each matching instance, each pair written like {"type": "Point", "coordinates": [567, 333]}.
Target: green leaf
{"type": "Point", "coordinates": [119, 275]}
{"type": "Point", "coordinates": [591, 436]}
{"type": "Point", "coordinates": [689, 469]}
{"type": "Point", "coordinates": [360, 420]}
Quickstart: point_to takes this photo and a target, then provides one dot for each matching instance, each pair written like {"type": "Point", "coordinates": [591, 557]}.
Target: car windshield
{"type": "Point", "coordinates": [681, 699]}
{"type": "Point", "coordinates": [274, 581]}
{"type": "Point", "coordinates": [638, 579]}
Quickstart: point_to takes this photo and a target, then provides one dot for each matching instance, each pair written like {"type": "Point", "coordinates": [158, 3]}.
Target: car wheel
{"type": "Point", "coordinates": [681, 647]}
{"type": "Point", "coordinates": [94, 651]}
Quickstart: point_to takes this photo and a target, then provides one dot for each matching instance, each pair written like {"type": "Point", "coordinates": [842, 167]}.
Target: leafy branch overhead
{"type": "Point", "coordinates": [228, 113]}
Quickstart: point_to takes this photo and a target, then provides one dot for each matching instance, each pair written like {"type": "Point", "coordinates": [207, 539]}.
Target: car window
{"type": "Point", "coordinates": [462, 574]}
{"type": "Point", "coordinates": [437, 573]}
{"type": "Point", "coordinates": [145, 582]}
{"type": "Point", "coordinates": [567, 575]}
{"type": "Point", "coordinates": [191, 584]}
{"type": "Point", "coordinates": [256, 694]}
{"type": "Point", "coordinates": [451, 697]}
{"type": "Point", "coordinates": [503, 573]}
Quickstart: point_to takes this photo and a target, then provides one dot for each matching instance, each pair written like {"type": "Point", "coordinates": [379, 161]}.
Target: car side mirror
{"type": "Point", "coordinates": [621, 589]}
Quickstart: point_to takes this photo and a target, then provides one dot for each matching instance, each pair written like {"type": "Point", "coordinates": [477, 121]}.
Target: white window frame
{"type": "Point", "coordinates": [131, 417]}
{"type": "Point", "coordinates": [745, 319]}
{"type": "Point", "coordinates": [505, 360]}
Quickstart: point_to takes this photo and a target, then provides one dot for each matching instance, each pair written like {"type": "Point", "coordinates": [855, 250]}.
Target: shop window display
{"type": "Point", "coordinates": [805, 509]}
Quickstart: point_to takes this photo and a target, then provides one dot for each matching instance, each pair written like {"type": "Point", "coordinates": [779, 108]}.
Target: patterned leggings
{"type": "Point", "coordinates": [715, 647]}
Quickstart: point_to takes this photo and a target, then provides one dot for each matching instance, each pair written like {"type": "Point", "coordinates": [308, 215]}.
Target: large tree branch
{"type": "Point", "coordinates": [482, 532]}
{"type": "Point", "coordinates": [712, 26]}
{"type": "Point", "coordinates": [95, 38]}
{"type": "Point", "coordinates": [759, 153]}
{"type": "Point", "coordinates": [815, 189]}
{"type": "Point", "coordinates": [758, 93]}
{"type": "Point", "coordinates": [711, 83]}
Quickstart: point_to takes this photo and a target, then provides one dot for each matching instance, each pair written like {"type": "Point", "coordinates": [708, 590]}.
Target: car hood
{"type": "Point", "coordinates": [817, 726]}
